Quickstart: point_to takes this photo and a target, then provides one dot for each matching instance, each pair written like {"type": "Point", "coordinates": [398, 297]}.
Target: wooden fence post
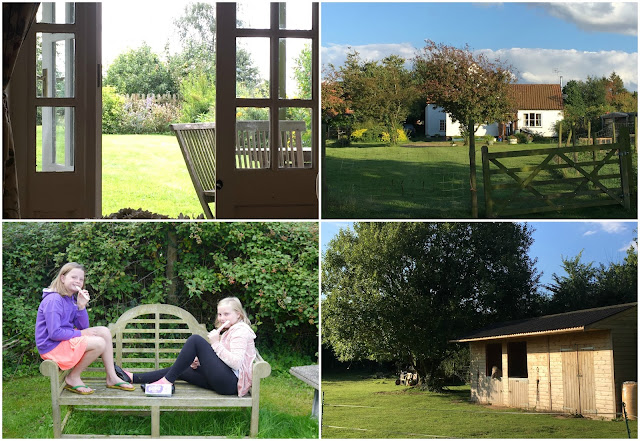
{"type": "Point", "coordinates": [488, 202]}
{"type": "Point", "coordinates": [624, 150]}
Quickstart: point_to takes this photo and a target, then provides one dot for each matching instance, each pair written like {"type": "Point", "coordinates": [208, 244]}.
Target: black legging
{"type": "Point", "coordinates": [212, 373]}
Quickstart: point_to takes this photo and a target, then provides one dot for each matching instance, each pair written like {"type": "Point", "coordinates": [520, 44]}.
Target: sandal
{"type": "Point", "coordinates": [122, 374]}
{"type": "Point", "coordinates": [75, 390]}
{"type": "Point", "coordinates": [121, 387]}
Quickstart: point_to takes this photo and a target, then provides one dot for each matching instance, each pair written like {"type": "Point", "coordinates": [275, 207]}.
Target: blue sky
{"type": "Point", "coordinates": [538, 39]}
{"type": "Point", "coordinates": [602, 242]}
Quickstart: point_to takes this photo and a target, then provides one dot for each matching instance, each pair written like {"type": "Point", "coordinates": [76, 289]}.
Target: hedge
{"type": "Point", "coordinates": [271, 267]}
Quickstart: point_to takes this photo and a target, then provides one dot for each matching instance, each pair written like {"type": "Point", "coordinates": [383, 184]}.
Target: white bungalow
{"type": "Point", "coordinates": [538, 108]}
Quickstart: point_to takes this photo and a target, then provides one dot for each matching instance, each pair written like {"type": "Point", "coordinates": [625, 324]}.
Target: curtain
{"type": "Point", "coordinates": [17, 19]}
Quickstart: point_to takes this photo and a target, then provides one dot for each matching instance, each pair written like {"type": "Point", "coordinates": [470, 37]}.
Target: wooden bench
{"type": "Point", "coordinates": [146, 338]}
{"type": "Point", "coordinates": [198, 145]}
{"type": "Point", "coordinates": [311, 375]}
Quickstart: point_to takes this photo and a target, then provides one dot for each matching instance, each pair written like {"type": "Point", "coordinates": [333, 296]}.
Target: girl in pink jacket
{"type": "Point", "coordinates": [223, 363]}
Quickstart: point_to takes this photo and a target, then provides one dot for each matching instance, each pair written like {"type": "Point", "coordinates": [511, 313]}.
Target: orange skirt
{"type": "Point", "coordinates": [68, 353]}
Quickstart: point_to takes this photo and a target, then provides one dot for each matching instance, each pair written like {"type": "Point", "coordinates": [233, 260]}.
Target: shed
{"type": "Point", "coordinates": [573, 362]}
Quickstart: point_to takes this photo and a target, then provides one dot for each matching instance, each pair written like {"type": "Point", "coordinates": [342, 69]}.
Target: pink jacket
{"type": "Point", "coordinates": [238, 350]}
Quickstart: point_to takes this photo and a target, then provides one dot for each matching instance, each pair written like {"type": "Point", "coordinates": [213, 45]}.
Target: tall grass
{"type": "Point", "coordinates": [285, 409]}
{"type": "Point", "coordinates": [417, 182]}
{"type": "Point", "coordinates": [356, 407]}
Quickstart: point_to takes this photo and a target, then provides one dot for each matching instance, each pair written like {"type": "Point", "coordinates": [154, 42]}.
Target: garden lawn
{"type": "Point", "coordinates": [148, 172]}
{"type": "Point", "coordinates": [383, 410]}
{"type": "Point", "coordinates": [419, 182]}
{"type": "Point", "coordinates": [285, 409]}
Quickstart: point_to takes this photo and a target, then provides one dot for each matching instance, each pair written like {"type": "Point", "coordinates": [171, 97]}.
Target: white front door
{"type": "Point", "coordinates": [56, 113]}
{"type": "Point", "coordinates": [267, 143]}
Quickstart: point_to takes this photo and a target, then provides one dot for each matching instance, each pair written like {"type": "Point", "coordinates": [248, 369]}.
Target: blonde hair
{"type": "Point", "coordinates": [57, 285]}
{"type": "Point", "coordinates": [236, 305]}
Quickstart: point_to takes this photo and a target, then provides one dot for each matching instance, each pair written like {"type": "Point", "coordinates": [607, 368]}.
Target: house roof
{"type": "Point", "coordinates": [548, 324]}
{"type": "Point", "coordinates": [537, 96]}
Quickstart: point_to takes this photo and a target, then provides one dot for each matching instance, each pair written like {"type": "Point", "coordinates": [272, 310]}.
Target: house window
{"type": "Point", "coordinates": [517, 353]}
{"type": "Point", "coordinates": [493, 357]}
{"type": "Point", "coordinates": [533, 120]}
{"type": "Point", "coordinates": [443, 125]}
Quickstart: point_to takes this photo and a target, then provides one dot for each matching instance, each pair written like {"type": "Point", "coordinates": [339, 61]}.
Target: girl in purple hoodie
{"type": "Point", "coordinates": [63, 333]}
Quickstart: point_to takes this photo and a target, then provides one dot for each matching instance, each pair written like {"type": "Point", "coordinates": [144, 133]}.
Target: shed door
{"type": "Point", "coordinates": [578, 381]}
{"type": "Point", "coordinates": [267, 145]}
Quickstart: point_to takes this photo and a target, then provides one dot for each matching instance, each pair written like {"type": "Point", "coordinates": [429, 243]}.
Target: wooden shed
{"type": "Point", "coordinates": [573, 362]}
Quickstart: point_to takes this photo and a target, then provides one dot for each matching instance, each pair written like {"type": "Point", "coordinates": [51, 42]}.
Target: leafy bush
{"type": "Point", "coordinates": [198, 93]}
{"type": "Point", "coordinates": [522, 138]}
{"type": "Point", "coordinates": [271, 267]}
{"type": "Point", "coordinates": [112, 110]}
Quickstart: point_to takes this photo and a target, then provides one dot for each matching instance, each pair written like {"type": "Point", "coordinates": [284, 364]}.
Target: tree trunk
{"type": "Point", "coordinates": [172, 257]}
{"type": "Point", "coordinates": [472, 170]}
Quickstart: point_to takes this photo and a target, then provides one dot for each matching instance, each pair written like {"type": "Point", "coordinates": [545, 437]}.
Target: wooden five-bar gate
{"type": "Point", "coordinates": [517, 183]}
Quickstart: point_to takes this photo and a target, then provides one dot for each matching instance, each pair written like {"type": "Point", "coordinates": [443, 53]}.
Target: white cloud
{"type": "Point", "coordinates": [610, 227]}
{"type": "Point", "coordinates": [631, 244]}
{"type": "Point", "coordinates": [614, 17]}
{"type": "Point", "coordinates": [532, 65]}
{"type": "Point", "coordinates": [539, 65]}
{"type": "Point", "coordinates": [590, 233]}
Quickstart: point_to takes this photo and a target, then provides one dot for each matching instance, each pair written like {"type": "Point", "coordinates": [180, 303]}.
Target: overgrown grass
{"type": "Point", "coordinates": [148, 172]}
{"type": "Point", "coordinates": [371, 180]}
{"type": "Point", "coordinates": [285, 409]}
{"type": "Point", "coordinates": [383, 410]}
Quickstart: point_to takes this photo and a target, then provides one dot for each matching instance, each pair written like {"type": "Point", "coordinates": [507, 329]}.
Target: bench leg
{"type": "Point", "coordinates": [315, 407]}
{"type": "Point", "coordinates": [155, 422]}
{"type": "Point", "coordinates": [57, 421]}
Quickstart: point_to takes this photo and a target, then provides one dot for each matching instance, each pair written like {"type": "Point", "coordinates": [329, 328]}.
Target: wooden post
{"type": "Point", "coordinates": [560, 135]}
{"type": "Point", "coordinates": [624, 150]}
{"type": "Point", "coordinates": [486, 179]}
{"type": "Point", "coordinates": [472, 170]}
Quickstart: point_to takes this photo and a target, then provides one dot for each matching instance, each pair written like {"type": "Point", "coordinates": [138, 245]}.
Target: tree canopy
{"type": "Point", "coordinates": [374, 90]}
{"type": "Point", "coordinates": [401, 291]}
{"type": "Point", "coordinates": [470, 87]}
{"type": "Point", "coordinates": [140, 71]}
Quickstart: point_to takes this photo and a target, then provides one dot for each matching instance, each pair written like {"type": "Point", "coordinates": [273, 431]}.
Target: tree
{"type": "Point", "coordinates": [380, 91]}
{"type": "Point", "coordinates": [401, 291]}
{"type": "Point", "coordinates": [197, 32]}
{"type": "Point", "coordinates": [140, 71]}
{"type": "Point", "coordinates": [587, 286]}
{"type": "Point", "coordinates": [471, 88]}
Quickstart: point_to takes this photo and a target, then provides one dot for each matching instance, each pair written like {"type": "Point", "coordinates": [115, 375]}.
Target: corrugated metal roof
{"type": "Point", "coordinates": [537, 96]}
{"type": "Point", "coordinates": [569, 321]}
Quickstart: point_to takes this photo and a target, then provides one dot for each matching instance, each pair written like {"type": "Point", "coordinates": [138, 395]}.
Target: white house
{"type": "Point", "coordinates": [538, 108]}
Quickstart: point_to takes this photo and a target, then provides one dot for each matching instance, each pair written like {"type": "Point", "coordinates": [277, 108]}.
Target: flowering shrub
{"type": "Point", "coordinates": [135, 114]}
{"type": "Point", "coordinates": [358, 135]}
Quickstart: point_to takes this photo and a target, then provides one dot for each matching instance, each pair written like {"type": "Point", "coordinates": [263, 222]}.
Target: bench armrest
{"type": "Point", "coordinates": [261, 369]}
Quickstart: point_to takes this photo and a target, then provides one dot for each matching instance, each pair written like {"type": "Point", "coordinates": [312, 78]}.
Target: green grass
{"type": "Point", "coordinates": [148, 172]}
{"type": "Point", "coordinates": [371, 180]}
{"type": "Point", "coordinates": [390, 411]}
{"type": "Point", "coordinates": [285, 409]}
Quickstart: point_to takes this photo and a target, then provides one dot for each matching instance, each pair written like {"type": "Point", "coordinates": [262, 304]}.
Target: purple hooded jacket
{"type": "Point", "coordinates": [56, 319]}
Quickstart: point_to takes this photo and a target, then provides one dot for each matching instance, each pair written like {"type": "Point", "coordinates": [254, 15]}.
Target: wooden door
{"type": "Point", "coordinates": [578, 381]}
{"type": "Point", "coordinates": [495, 391]}
{"type": "Point", "coordinates": [276, 185]}
{"type": "Point", "coordinates": [56, 113]}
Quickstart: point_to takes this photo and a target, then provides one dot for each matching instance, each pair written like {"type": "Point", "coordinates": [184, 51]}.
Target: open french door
{"type": "Point", "coordinates": [56, 112]}
{"type": "Point", "coordinates": [277, 185]}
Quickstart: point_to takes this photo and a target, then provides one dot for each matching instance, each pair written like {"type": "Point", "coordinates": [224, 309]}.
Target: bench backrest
{"type": "Point", "coordinates": [198, 145]}
{"type": "Point", "coordinates": [149, 337]}
{"type": "Point", "coordinates": [252, 144]}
